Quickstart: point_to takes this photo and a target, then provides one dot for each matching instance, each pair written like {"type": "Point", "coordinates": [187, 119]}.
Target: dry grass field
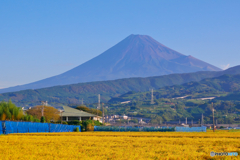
{"type": "Point", "coordinates": [119, 145]}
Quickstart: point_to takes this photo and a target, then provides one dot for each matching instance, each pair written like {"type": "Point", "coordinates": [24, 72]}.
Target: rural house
{"type": "Point", "coordinates": [70, 114]}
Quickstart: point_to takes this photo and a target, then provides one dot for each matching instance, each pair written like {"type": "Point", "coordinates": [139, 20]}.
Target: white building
{"type": "Point", "coordinates": [125, 102]}
{"type": "Point", "coordinates": [115, 116]}
{"type": "Point", "coordinates": [124, 117]}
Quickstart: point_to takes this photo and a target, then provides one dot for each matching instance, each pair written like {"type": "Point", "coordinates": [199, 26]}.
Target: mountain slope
{"type": "Point", "coordinates": [226, 87]}
{"type": "Point", "coordinates": [135, 56]}
{"type": "Point", "coordinates": [191, 100]}
{"type": "Point", "coordinates": [88, 91]}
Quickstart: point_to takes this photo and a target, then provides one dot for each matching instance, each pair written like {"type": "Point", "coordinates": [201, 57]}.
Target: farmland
{"type": "Point", "coordinates": [117, 145]}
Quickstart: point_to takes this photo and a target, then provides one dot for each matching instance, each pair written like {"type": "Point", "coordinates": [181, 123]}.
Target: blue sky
{"type": "Point", "coordinates": [40, 39]}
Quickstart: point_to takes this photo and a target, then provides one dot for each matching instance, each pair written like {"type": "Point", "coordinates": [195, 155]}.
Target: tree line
{"type": "Point", "coordinates": [9, 111]}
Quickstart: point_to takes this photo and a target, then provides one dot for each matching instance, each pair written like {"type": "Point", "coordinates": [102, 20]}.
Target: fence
{"type": "Point", "coordinates": [133, 129]}
{"type": "Point", "coordinates": [1, 128]}
{"type": "Point", "coordinates": [149, 129]}
{"type": "Point", "coordinates": [7, 127]}
{"type": "Point", "coordinates": [233, 127]}
{"type": "Point", "coordinates": [191, 129]}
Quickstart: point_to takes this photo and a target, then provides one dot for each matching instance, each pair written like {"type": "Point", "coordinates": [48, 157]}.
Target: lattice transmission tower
{"type": "Point", "coordinates": [152, 101]}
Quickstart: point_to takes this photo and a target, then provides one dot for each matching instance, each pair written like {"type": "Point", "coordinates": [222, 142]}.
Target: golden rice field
{"type": "Point", "coordinates": [119, 145]}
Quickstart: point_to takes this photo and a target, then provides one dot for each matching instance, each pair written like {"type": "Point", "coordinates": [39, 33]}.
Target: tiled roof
{"type": "Point", "coordinates": [71, 112]}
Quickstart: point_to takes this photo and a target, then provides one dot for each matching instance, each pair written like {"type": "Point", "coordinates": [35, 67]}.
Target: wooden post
{"type": "Point", "coordinates": [61, 116]}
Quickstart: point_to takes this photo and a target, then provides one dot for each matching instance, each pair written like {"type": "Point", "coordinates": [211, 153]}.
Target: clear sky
{"type": "Point", "coordinates": [40, 39]}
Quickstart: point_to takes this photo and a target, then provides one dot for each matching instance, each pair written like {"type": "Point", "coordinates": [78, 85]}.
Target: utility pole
{"type": "Point", "coordinates": [120, 122]}
{"type": "Point", "coordinates": [202, 120]}
{"type": "Point", "coordinates": [99, 105]}
{"type": "Point", "coordinates": [43, 103]}
{"type": "Point", "coordinates": [102, 114]}
{"type": "Point", "coordinates": [152, 102]}
{"type": "Point", "coordinates": [213, 117]}
{"type": "Point", "coordinates": [42, 108]}
{"type": "Point", "coordinates": [186, 120]}
{"type": "Point", "coordinates": [61, 115]}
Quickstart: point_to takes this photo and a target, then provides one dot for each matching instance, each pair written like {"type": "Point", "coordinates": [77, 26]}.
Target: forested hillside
{"type": "Point", "coordinates": [189, 100]}
{"type": "Point", "coordinates": [73, 94]}
{"type": "Point", "coordinates": [216, 87]}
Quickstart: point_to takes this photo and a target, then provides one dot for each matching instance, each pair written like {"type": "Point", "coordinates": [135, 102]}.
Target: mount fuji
{"type": "Point", "coordinates": [135, 56]}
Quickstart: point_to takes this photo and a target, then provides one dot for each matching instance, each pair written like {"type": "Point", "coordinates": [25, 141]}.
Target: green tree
{"type": "Point", "coordinates": [76, 129]}
{"type": "Point", "coordinates": [75, 122]}
{"type": "Point", "coordinates": [9, 111]}
{"type": "Point", "coordinates": [43, 119]}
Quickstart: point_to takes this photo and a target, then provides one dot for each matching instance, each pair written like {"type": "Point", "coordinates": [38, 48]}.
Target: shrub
{"type": "Point", "coordinates": [36, 120]}
{"type": "Point", "coordinates": [43, 119]}
{"type": "Point", "coordinates": [76, 129]}
{"type": "Point", "coordinates": [64, 122]}
{"type": "Point", "coordinates": [88, 125]}
{"type": "Point", "coordinates": [75, 122]}
{"type": "Point", "coordinates": [221, 127]}
{"type": "Point", "coordinates": [97, 123]}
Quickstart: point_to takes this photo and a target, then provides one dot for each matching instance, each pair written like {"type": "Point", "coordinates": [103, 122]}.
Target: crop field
{"type": "Point", "coordinates": [119, 145]}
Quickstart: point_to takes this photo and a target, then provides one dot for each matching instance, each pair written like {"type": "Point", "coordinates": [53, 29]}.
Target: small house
{"type": "Point", "coordinates": [70, 114]}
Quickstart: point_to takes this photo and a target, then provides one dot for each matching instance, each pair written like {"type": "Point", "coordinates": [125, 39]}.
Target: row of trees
{"type": "Point", "coordinates": [9, 111]}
